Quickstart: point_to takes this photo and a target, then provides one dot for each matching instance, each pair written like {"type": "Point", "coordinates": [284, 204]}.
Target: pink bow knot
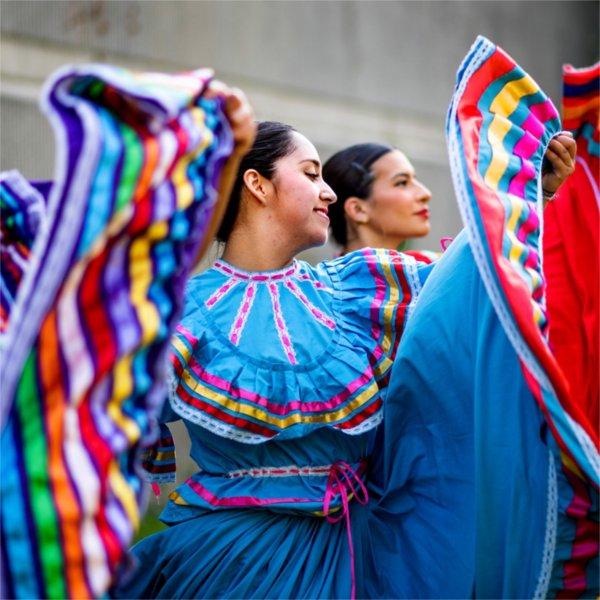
{"type": "Point", "coordinates": [344, 481]}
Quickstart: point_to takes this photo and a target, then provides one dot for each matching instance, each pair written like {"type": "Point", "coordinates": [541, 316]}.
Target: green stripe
{"type": "Point", "coordinates": [133, 158]}
{"type": "Point", "coordinates": [28, 405]}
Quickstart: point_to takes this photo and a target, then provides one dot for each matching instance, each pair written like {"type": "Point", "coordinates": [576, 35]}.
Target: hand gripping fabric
{"type": "Point", "coordinates": [498, 126]}
{"type": "Point", "coordinates": [83, 367]}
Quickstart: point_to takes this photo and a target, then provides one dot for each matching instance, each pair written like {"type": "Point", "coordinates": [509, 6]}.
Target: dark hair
{"type": "Point", "coordinates": [348, 173]}
{"type": "Point", "coordinates": [273, 141]}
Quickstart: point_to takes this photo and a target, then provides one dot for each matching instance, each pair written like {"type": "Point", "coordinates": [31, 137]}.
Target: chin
{"type": "Point", "coordinates": [317, 239]}
{"type": "Point", "coordinates": [422, 231]}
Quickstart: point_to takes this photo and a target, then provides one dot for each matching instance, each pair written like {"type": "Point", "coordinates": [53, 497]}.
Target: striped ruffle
{"type": "Point", "coordinates": [138, 161]}
{"type": "Point", "coordinates": [247, 399]}
{"type": "Point", "coordinates": [22, 208]}
{"type": "Point", "coordinates": [499, 125]}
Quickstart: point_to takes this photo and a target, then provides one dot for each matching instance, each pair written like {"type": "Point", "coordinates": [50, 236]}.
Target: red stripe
{"type": "Point", "coordinates": [362, 416]}
{"type": "Point", "coordinates": [209, 409]}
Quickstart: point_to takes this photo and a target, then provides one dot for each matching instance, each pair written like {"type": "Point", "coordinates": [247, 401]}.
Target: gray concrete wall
{"type": "Point", "coordinates": [341, 72]}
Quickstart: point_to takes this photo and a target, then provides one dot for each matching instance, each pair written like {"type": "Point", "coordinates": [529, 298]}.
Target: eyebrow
{"type": "Point", "coordinates": [403, 174]}
{"type": "Point", "coordinates": [311, 160]}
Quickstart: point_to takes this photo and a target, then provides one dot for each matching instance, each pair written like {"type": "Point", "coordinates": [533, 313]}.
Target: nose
{"type": "Point", "coordinates": [423, 192]}
{"type": "Point", "coordinates": [327, 194]}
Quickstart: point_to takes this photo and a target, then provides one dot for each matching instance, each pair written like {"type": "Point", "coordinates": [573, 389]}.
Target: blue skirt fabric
{"type": "Point", "coordinates": [242, 554]}
{"type": "Point", "coordinates": [466, 494]}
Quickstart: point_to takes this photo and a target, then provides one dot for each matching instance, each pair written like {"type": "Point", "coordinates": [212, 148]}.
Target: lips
{"type": "Point", "coordinates": [423, 213]}
{"type": "Point", "coordinates": [322, 212]}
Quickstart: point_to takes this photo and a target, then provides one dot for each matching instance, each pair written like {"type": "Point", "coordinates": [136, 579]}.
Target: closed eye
{"type": "Point", "coordinates": [313, 176]}
{"type": "Point", "coordinates": [401, 183]}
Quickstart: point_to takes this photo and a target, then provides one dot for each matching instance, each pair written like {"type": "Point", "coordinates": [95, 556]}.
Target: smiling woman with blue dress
{"type": "Point", "coordinates": [319, 477]}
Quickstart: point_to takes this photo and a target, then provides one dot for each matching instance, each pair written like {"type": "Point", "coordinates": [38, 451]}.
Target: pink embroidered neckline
{"type": "Point", "coordinates": [250, 280]}
{"type": "Point", "coordinates": [257, 276]}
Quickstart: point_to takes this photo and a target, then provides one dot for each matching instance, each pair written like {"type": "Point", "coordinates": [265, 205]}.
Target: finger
{"type": "Point", "coordinates": [567, 133]}
{"type": "Point", "coordinates": [237, 101]}
{"type": "Point", "coordinates": [568, 142]}
{"type": "Point", "coordinates": [217, 89]}
{"type": "Point", "coordinates": [571, 145]}
{"type": "Point", "coordinates": [559, 166]}
{"type": "Point", "coordinates": [559, 149]}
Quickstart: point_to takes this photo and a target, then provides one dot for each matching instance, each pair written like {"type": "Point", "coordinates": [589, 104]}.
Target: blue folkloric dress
{"type": "Point", "coordinates": [280, 377]}
{"type": "Point", "coordinates": [478, 482]}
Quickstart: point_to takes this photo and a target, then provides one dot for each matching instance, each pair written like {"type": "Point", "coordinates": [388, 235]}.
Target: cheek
{"type": "Point", "coordinates": [394, 205]}
{"type": "Point", "coordinates": [297, 200]}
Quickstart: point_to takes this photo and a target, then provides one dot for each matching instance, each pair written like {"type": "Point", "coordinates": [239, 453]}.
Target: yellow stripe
{"type": "Point", "coordinates": [538, 315]}
{"type": "Point", "coordinates": [515, 213]}
{"type": "Point", "coordinates": [280, 422]}
{"type": "Point", "coordinates": [164, 455]}
{"type": "Point", "coordinates": [175, 497]}
{"type": "Point", "coordinates": [124, 493]}
{"type": "Point", "coordinates": [383, 366]}
{"type": "Point", "coordinates": [140, 274]}
{"type": "Point", "coordinates": [181, 348]}
{"type": "Point", "coordinates": [122, 388]}
{"type": "Point", "coordinates": [503, 105]}
{"type": "Point", "coordinates": [507, 100]}
{"type": "Point", "coordinates": [183, 187]}
{"type": "Point", "coordinates": [498, 129]}
{"type": "Point", "coordinates": [566, 460]}
{"type": "Point", "coordinates": [392, 303]}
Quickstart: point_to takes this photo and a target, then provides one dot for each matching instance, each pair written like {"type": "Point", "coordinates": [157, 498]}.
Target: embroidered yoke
{"type": "Point", "coordinates": [281, 374]}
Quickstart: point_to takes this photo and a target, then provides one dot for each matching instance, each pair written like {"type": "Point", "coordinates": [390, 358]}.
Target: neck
{"type": "Point", "coordinates": [367, 238]}
{"type": "Point", "coordinates": [254, 249]}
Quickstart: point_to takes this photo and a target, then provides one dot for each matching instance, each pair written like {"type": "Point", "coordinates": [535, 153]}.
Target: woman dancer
{"type": "Point", "coordinates": [280, 374]}
{"type": "Point", "coordinates": [381, 202]}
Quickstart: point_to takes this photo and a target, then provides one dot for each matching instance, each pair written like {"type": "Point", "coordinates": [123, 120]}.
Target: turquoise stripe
{"type": "Point", "coordinates": [483, 105]}
{"type": "Point", "coordinates": [14, 523]}
{"type": "Point", "coordinates": [587, 132]}
{"type": "Point", "coordinates": [101, 197]}
{"type": "Point", "coordinates": [164, 259]}
{"type": "Point", "coordinates": [559, 418]}
{"type": "Point", "coordinates": [7, 197]}
{"type": "Point", "coordinates": [161, 300]}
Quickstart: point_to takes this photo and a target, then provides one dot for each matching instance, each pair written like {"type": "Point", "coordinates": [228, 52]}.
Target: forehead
{"type": "Point", "coordinates": [391, 164]}
{"type": "Point", "coordinates": [303, 149]}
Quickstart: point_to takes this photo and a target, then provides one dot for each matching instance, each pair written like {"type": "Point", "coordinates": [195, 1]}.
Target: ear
{"type": "Point", "coordinates": [257, 185]}
{"type": "Point", "coordinates": [356, 210]}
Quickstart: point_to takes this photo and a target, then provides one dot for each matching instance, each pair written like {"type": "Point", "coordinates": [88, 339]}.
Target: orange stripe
{"type": "Point", "coordinates": [64, 498]}
{"type": "Point", "coordinates": [150, 145]}
{"type": "Point", "coordinates": [571, 112]}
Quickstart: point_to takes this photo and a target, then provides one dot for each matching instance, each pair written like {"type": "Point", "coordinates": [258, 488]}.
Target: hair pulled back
{"type": "Point", "coordinates": [273, 141]}
{"type": "Point", "coordinates": [348, 173]}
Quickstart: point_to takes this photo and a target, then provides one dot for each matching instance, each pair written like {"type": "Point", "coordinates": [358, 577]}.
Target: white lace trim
{"type": "Point", "coordinates": [158, 477]}
{"type": "Point", "coordinates": [257, 276]}
{"type": "Point", "coordinates": [286, 471]}
{"type": "Point", "coordinates": [543, 583]}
